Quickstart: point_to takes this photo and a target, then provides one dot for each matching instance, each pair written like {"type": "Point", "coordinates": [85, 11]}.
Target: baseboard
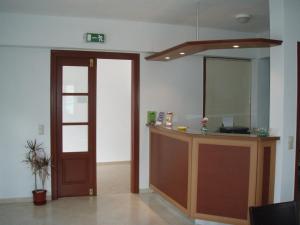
{"type": "Point", "coordinates": [206, 222]}
{"type": "Point", "coordinates": [145, 190]}
{"type": "Point", "coordinates": [19, 200]}
{"type": "Point", "coordinates": [114, 162]}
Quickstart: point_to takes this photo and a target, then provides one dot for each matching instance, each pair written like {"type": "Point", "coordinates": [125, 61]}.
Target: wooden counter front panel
{"type": "Point", "coordinates": [169, 167]}
{"type": "Point", "coordinates": [223, 180]}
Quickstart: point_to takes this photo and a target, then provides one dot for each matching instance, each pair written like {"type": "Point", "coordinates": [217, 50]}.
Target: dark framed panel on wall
{"type": "Point", "coordinates": [222, 97]}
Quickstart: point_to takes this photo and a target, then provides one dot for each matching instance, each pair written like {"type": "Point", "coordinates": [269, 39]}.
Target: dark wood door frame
{"type": "Point", "coordinates": [296, 192]}
{"type": "Point", "coordinates": [135, 105]}
{"type": "Point", "coordinates": [204, 86]}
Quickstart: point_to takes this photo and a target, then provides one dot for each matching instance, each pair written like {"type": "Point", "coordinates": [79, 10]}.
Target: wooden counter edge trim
{"type": "Point", "coordinates": [259, 181]}
{"type": "Point", "coordinates": [252, 177]}
{"type": "Point", "coordinates": [166, 197]}
{"type": "Point", "coordinates": [258, 196]}
{"type": "Point", "coordinates": [215, 135]}
{"type": "Point", "coordinates": [187, 139]}
{"type": "Point", "coordinates": [190, 171]}
{"type": "Point", "coordinates": [272, 172]}
{"type": "Point", "coordinates": [194, 179]}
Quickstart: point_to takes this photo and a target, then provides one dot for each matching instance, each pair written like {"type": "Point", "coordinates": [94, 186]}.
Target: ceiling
{"type": "Point", "coordinates": [212, 13]}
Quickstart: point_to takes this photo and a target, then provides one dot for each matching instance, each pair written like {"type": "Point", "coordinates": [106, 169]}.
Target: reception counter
{"type": "Point", "coordinates": [213, 177]}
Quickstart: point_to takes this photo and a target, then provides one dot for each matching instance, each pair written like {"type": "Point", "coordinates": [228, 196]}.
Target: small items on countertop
{"type": "Point", "coordinates": [169, 120]}
{"type": "Point", "coordinates": [204, 123]}
{"type": "Point", "coordinates": [234, 130]}
{"type": "Point", "coordinates": [261, 132]}
{"type": "Point", "coordinates": [151, 117]}
{"type": "Point", "coordinates": [160, 119]}
{"type": "Point", "coordinates": [182, 128]}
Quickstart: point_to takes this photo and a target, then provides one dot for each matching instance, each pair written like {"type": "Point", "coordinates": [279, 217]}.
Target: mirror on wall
{"type": "Point", "coordinates": [236, 93]}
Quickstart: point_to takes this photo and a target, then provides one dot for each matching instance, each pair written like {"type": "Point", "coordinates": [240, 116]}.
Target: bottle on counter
{"type": "Point", "coordinates": [169, 119]}
{"type": "Point", "coordinates": [204, 122]}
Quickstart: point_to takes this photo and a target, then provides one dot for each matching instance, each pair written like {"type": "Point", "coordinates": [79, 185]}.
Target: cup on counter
{"type": "Point", "coordinates": [182, 128]}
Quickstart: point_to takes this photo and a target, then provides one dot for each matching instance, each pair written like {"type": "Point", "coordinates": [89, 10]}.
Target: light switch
{"type": "Point", "coordinates": [291, 142]}
{"type": "Point", "coordinates": [41, 129]}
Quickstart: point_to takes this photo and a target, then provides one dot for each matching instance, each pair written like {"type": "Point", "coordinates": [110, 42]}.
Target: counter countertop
{"type": "Point", "coordinates": [198, 133]}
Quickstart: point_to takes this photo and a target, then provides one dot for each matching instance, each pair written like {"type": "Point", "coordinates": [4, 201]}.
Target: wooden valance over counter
{"type": "Point", "coordinates": [212, 177]}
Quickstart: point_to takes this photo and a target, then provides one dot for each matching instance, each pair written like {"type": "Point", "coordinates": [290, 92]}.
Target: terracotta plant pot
{"type": "Point", "coordinates": [39, 197]}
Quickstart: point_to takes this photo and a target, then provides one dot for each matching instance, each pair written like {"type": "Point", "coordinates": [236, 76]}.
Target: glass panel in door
{"type": "Point", "coordinates": [75, 79]}
{"type": "Point", "coordinates": [75, 138]}
{"type": "Point", "coordinates": [75, 109]}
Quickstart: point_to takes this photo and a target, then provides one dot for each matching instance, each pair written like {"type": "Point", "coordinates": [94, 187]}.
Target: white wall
{"type": "Point", "coordinates": [67, 32]}
{"type": "Point", "coordinates": [173, 86]}
{"type": "Point", "coordinates": [113, 110]}
{"type": "Point", "coordinates": [284, 18]}
{"type": "Point", "coordinates": [25, 103]}
{"type": "Point", "coordinates": [263, 90]}
{"type": "Point", "coordinates": [26, 41]}
{"type": "Point", "coordinates": [260, 96]}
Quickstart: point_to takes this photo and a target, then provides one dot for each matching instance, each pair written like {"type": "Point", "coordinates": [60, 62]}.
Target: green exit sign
{"type": "Point", "coordinates": [95, 37]}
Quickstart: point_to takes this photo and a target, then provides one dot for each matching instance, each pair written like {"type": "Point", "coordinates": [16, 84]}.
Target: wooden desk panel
{"type": "Point", "coordinates": [169, 167]}
{"type": "Point", "coordinates": [223, 180]}
{"type": "Point", "coordinates": [213, 177]}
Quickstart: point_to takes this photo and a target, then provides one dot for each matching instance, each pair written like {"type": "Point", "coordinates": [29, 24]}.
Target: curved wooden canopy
{"type": "Point", "coordinates": [192, 47]}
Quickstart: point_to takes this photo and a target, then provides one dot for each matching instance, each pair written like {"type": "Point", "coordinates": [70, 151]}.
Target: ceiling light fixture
{"type": "Point", "coordinates": [167, 57]}
{"type": "Point", "coordinates": [243, 17]}
{"type": "Point", "coordinates": [235, 46]}
{"type": "Point", "coordinates": [182, 53]}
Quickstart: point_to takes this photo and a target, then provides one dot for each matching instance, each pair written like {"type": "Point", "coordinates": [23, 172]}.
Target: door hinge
{"type": "Point", "coordinates": [91, 191]}
{"type": "Point", "coordinates": [91, 62]}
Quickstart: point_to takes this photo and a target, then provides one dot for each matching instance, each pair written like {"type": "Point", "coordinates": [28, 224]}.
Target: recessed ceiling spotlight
{"type": "Point", "coordinates": [235, 46]}
{"type": "Point", "coordinates": [182, 53]}
{"type": "Point", "coordinates": [167, 57]}
{"type": "Point", "coordinates": [243, 17]}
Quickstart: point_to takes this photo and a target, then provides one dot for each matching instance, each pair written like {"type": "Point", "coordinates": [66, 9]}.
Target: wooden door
{"type": "Point", "coordinates": [65, 179]}
{"type": "Point", "coordinates": [76, 126]}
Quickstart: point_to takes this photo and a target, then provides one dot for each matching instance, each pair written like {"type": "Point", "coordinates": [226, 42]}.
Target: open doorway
{"type": "Point", "coordinates": [113, 126]}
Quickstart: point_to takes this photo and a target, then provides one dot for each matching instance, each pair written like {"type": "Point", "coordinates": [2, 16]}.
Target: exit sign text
{"type": "Point", "coordinates": [95, 37]}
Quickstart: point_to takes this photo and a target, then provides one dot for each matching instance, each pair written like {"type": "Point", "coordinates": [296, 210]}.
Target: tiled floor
{"type": "Point", "coordinates": [113, 178]}
{"type": "Point", "coordinates": [114, 205]}
{"type": "Point", "coordinates": [114, 209]}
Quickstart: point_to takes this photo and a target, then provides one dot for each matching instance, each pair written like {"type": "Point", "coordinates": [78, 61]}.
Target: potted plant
{"type": "Point", "coordinates": [39, 163]}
